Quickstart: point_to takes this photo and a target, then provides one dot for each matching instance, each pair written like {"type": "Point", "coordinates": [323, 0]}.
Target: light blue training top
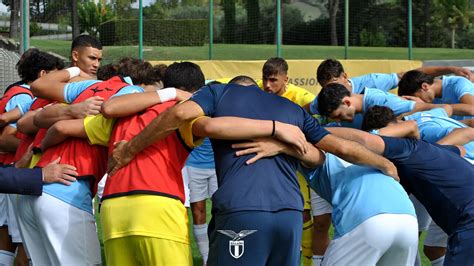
{"type": "Point", "coordinates": [21, 101]}
{"type": "Point", "coordinates": [356, 193]}
{"type": "Point", "coordinates": [202, 156]}
{"type": "Point", "coordinates": [453, 89]}
{"type": "Point", "coordinates": [435, 124]}
{"type": "Point", "coordinates": [383, 82]}
{"type": "Point", "coordinates": [78, 194]}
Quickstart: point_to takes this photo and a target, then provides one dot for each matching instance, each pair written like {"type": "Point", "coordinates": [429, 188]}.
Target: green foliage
{"type": "Point", "coordinates": [372, 38]}
{"type": "Point", "coordinates": [35, 28]}
{"type": "Point", "coordinates": [91, 15]}
{"type": "Point", "coordinates": [466, 39]}
{"type": "Point", "coordinates": [189, 12]}
{"type": "Point", "coordinates": [192, 32]}
{"type": "Point", "coordinates": [156, 11]}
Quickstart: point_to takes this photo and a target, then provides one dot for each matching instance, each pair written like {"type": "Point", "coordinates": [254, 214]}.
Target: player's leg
{"type": "Point", "coordinates": [307, 233]}
{"type": "Point", "coordinates": [435, 244]}
{"type": "Point", "coordinates": [30, 231]}
{"type": "Point", "coordinates": [69, 233]}
{"type": "Point", "coordinates": [321, 222]}
{"type": "Point", "coordinates": [254, 244]}
{"type": "Point", "coordinates": [404, 247]}
{"type": "Point", "coordinates": [7, 248]}
{"type": "Point", "coordinates": [460, 247]}
{"type": "Point", "coordinates": [14, 231]}
{"type": "Point", "coordinates": [424, 220]}
{"type": "Point", "coordinates": [202, 184]}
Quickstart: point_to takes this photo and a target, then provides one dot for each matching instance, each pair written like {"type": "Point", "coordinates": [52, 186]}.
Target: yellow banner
{"type": "Point", "coordinates": [301, 73]}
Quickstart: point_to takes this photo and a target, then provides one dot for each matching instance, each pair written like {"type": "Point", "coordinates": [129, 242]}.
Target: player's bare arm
{"type": "Point", "coordinates": [62, 130]}
{"type": "Point", "coordinates": [56, 112]}
{"type": "Point", "coordinates": [159, 128]}
{"type": "Point", "coordinates": [459, 136]}
{"type": "Point", "coordinates": [403, 129]}
{"type": "Point", "coordinates": [9, 117]}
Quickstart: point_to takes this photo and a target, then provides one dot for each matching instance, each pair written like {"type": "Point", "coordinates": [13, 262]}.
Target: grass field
{"type": "Point", "coordinates": [197, 261]}
{"type": "Point", "coordinates": [261, 52]}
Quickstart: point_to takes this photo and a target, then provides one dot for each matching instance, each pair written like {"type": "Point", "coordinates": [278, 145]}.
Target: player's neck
{"type": "Point", "coordinates": [357, 101]}
{"type": "Point", "coordinates": [437, 88]}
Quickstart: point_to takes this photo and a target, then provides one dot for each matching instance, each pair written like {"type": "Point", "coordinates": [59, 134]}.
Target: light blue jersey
{"type": "Point", "coordinates": [383, 82]}
{"type": "Point", "coordinates": [202, 156]}
{"type": "Point", "coordinates": [374, 97]}
{"type": "Point", "coordinates": [21, 101]}
{"type": "Point", "coordinates": [453, 89]}
{"type": "Point", "coordinates": [78, 194]}
{"type": "Point", "coordinates": [435, 124]}
{"type": "Point", "coordinates": [356, 193]}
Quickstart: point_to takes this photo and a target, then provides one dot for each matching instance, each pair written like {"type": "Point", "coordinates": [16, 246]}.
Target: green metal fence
{"type": "Point", "coordinates": [253, 29]}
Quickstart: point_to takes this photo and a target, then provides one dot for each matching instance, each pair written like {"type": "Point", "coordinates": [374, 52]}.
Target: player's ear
{"type": "Point", "coordinates": [346, 101]}
{"type": "Point", "coordinates": [425, 86]}
{"type": "Point", "coordinates": [74, 56]}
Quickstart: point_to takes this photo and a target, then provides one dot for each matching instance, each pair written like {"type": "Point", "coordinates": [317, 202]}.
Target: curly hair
{"type": "Point", "coordinates": [33, 61]}
{"type": "Point", "coordinates": [377, 117]}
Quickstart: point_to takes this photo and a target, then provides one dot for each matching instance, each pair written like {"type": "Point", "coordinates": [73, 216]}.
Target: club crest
{"type": "Point", "coordinates": [236, 245]}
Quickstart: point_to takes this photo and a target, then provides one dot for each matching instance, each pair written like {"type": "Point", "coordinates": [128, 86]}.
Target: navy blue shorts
{"type": "Point", "coordinates": [255, 238]}
{"type": "Point", "coordinates": [460, 248]}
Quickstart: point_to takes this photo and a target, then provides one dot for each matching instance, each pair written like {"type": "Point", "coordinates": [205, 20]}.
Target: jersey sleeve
{"type": "Point", "coordinates": [128, 90]}
{"type": "Point", "coordinates": [397, 104]}
{"type": "Point", "coordinates": [463, 87]}
{"type": "Point", "coordinates": [312, 130]}
{"type": "Point", "coordinates": [186, 133]}
{"type": "Point", "coordinates": [72, 90]}
{"type": "Point", "coordinates": [207, 98]}
{"type": "Point", "coordinates": [384, 82]}
{"type": "Point", "coordinates": [22, 102]}
{"type": "Point", "coordinates": [397, 148]}
{"type": "Point", "coordinates": [99, 129]}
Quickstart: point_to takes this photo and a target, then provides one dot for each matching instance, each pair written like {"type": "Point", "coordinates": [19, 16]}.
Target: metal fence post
{"type": "Point", "coordinates": [410, 30]}
{"type": "Point", "coordinates": [140, 29]}
{"type": "Point", "coordinates": [25, 26]}
{"type": "Point", "coordinates": [346, 29]}
{"type": "Point", "coordinates": [211, 27]}
{"type": "Point", "coordinates": [278, 28]}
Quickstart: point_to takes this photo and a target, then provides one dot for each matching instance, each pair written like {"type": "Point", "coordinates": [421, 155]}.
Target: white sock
{"type": "Point", "coordinates": [6, 258]}
{"type": "Point", "coordinates": [438, 262]}
{"type": "Point", "coordinates": [202, 241]}
{"type": "Point", "coordinates": [418, 259]}
{"type": "Point", "coordinates": [317, 260]}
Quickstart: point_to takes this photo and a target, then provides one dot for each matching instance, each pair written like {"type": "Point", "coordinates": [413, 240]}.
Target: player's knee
{"type": "Point", "coordinates": [434, 252]}
{"type": "Point", "coordinates": [321, 223]}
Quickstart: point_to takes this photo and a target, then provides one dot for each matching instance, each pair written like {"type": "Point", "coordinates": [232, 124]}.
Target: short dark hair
{"type": "Point", "coordinates": [327, 70]}
{"type": "Point", "coordinates": [84, 40]}
{"type": "Point", "coordinates": [377, 117]}
{"type": "Point", "coordinates": [159, 71]}
{"type": "Point", "coordinates": [411, 82]}
{"type": "Point", "coordinates": [185, 75]}
{"type": "Point", "coordinates": [33, 61]}
{"type": "Point", "coordinates": [330, 98]}
{"type": "Point", "coordinates": [139, 71]}
{"type": "Point", "coordinates": [275, 66]}
{"type": "Point", "coordinates": [243, 80]}
{"type": "Point", "coordinates": [105, 72]}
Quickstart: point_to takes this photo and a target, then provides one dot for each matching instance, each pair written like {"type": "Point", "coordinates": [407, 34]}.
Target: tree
{"type": "Point", "coordinates": [75, 19]}
{"type": "Point", "coordinates": [457, 14]}
{"type": "Point", "coordinates": [333, 8]}
{"type": "Point", "coordinates": [253, 19]}
{"type": "Point", "coordinates": [14, 7]}
{"type": "Point", "coordinates": [92, 15]}
{"type": "Point", "coordinates": [229, 21]}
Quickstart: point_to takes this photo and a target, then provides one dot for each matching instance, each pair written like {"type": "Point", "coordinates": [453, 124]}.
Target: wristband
{"type": "Point", "coordinates": [273, 129]}
{"type": "Point", "coordinates": [167, 94]}
{"type": "Point", "coordinates": [73, 72]}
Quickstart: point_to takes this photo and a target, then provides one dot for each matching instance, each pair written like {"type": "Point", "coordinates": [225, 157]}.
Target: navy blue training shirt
{"type": "Point", "coordinates": [270, 184]}
{"type": "Point", "coordinates": [438, 177]}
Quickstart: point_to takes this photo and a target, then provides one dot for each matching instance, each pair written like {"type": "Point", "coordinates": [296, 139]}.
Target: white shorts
{"type": "Point", "coordinates": [186, 187]}
{"type": "Point", "coordinates": [3, 210]}
{"type": "Point", "coordinates": [436, 237]}
{"type": "Point", "coordinates": [101, 186]}
{"type": "Point", "coordinates": [319, 206]}
{"type": "Point", "coordinates": [13, 228]}
{"type": "Point", "coordinates": [384, 239]}
{"type": "Point", "coordinates": [55, 232]}
{"type": "Point", "coordinates": [422, 215]}
{"type": "Point", "coordinates": [202, 183]}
